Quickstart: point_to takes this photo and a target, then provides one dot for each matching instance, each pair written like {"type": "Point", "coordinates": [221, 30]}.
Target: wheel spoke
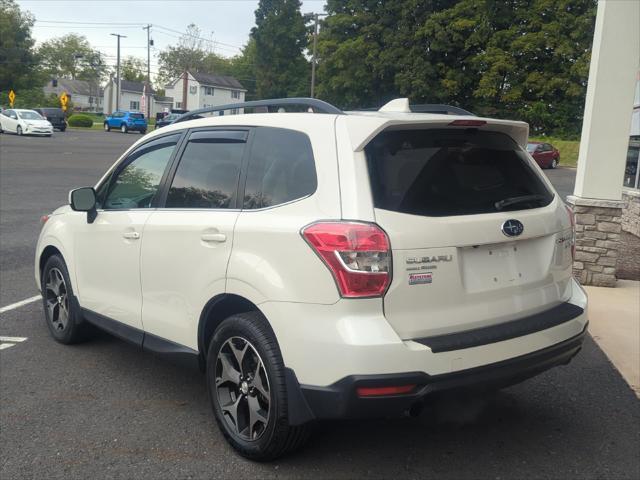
{"type": "Point", "coordinates": [51, 306]}
{"type": "Point", "coordinates": [229, 373]}
{"type": "Point", "coordinates": [258, 382]}
{"type": "Point", "coordinates": [239, 353]}
{"type": "Point", "coordinates": [256, 416]}
{"type": "Point", "coordinates": [232, 410]}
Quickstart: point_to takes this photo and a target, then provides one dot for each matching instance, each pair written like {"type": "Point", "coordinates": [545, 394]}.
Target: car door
{"type": "Point", "coordinates": [10, 121]}
{"type": "Point", "coordinates": [107, 251]}
{"type": "Point", "coordinates": [114, 120]}
{"type": "Point", "coordinates": [187, 243]}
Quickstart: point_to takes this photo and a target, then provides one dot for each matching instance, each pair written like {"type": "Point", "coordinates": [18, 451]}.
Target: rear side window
{"type": "Point", "coordinates": [281, 168]}
{"type": "Point", "coordinates": [446, 172]}
{"type": "Point", "coordinates": [209, 170]}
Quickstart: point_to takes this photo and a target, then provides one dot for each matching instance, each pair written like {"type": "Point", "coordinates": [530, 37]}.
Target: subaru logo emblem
{"type": "Point", "coordinates": [512, 228]}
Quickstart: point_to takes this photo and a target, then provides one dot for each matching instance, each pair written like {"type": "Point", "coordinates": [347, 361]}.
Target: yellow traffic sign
{"type": "Point", "coordinates": [12, 97]}
{"type": "Point", "coordinates": [64, 99]}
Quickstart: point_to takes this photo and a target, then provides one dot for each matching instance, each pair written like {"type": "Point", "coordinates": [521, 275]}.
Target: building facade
{"type": "Point", "coordinates": [131, 98]}
{"type": "Point", "coordinates": [84, 95]}
{"type": "Point", "coordinates": [201, 90]}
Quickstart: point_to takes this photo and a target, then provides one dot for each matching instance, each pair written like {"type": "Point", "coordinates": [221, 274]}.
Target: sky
{"type": "Point", "coordinates": [226, 23]}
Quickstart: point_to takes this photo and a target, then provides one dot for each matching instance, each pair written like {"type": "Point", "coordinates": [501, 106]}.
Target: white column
{"type": "Point", "coordinates": [615, 59]}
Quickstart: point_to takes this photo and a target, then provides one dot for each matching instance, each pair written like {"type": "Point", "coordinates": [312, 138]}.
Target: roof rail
{"type": "Point", "coordinates": [318, 106]}
{"type": "Point", "coordinates": [439, 108]}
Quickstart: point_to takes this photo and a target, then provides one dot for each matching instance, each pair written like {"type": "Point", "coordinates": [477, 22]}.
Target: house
{"type": "Point", "coordinates": [204, 90]}
{"type": "Point", "coordinates": [131, 97]}
{"type": "Point", "coordinates": [84, 95]}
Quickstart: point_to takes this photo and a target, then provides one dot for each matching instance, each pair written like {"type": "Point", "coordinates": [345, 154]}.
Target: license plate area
{"type": "Point", "coordinates": [492, 267]}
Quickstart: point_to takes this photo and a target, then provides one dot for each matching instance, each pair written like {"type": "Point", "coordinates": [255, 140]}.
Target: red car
{"type": "Point", "coordinates": [545, 154]}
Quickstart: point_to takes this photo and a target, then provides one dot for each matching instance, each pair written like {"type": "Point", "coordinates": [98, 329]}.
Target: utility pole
{"type": "Point", "coordinates": [118, 71]}
{"type": "Point", "coordinates": [148, 29]}
{"type": "Point", "coordinates": [315, 46]}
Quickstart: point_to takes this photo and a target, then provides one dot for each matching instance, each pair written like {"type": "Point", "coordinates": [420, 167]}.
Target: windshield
{"type": "Point", "coordinates": [29, 115]}
{"type": "Point", "coordinates": [442, 172]}
{"type": "Point", "coordinates": [531, 147]}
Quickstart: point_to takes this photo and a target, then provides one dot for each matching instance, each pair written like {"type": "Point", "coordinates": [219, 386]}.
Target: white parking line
{"type": "Point", "coordinates": [11, 341]}
{"type": "Point", "coordinates": [21, 303]}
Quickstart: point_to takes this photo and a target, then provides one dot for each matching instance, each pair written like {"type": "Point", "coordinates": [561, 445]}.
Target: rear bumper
{"type": "Point", "coordinates": [341, 400]}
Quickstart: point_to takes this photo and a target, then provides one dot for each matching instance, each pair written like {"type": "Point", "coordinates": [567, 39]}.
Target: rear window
{"type": "Point", "coordinates": [445, 172]}
{"type": "Point", "coordinates": [136, 115]}
{"type": "Point", "coordinates": [51, 111]}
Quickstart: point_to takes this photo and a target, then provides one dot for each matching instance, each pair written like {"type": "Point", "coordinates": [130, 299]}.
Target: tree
{"type": "Point", "coordinates": [525, 59]}
{"type": "Point", "coordinates": [133, 69]}
{"type": "Point", "coordinates": [71, 56]}
{"type": "Point", "coordinates": [189, 54]}
{"type": "Point", "coordinates": [18, 59]}
{"type": "Point", "coordinates": [243, 68]}
{"type": "Point", "coordinates": [280, 37]}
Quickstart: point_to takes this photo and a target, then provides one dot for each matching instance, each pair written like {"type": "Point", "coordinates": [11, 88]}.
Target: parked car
{"type": "Point", "coordinates": [125, 122]}
{"type": "Point", "coordinates": [55, 116]}
{"type": "Point", "coordinates": [322, 265]}
{"type": "Point", "coordinates": [24, 122]}
{"type": "Point", "coordinates": [167, 119]}
{"type": "Point", "coordinates": [545, 154]}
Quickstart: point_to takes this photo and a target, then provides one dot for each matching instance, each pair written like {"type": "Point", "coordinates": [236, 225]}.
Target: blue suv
{"type": "Point", "coordinates": [126, 121]}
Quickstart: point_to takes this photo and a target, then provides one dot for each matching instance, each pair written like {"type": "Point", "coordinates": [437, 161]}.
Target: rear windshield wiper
{"type": "Point", "coordinates": [513, 200]}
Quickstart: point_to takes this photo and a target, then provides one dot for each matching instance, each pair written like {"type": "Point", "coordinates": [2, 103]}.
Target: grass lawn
{"type": "Point", "coordinates": [568, 149]}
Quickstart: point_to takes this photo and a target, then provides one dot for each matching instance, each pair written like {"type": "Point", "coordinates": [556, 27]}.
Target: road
{"type": "Point", "coordinates": [105, 409]}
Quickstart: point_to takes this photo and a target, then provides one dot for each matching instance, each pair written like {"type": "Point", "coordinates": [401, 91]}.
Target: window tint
{"type": "Point", "coordinates": [207, 176]}
{"type": "Point", "coordinates": [452, 172]}
{"type": "Point", "coordinates": [281, 168]}
{"type": "Point", "coordinates": [135, 185]}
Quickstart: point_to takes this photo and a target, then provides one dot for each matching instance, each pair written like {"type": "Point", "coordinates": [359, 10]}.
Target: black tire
{"type": "Point", "coordinates": [63, 129]}
{"type": "Point", "coordinates": [107, 128]}
{"type": "Point", "coordinates": [277, 437]}
{"type": "Point", "coordinates": [143, 132]}
{"type": "Point", "coordinates": [124, 128]}
{"type": "Point", "coordinates": [75, 330]}
{"type": "Point", "coordinates": [19, 130]}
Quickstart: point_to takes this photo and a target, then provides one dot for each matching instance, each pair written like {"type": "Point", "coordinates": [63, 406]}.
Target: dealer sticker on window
{"type": "Point", "coordinates": [417, 278]}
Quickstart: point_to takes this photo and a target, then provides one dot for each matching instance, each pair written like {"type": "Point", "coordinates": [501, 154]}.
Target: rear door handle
{"type": "Point", "coordinates": [131, 235]}
{"type": "Point", "coordinates": [213, 237]}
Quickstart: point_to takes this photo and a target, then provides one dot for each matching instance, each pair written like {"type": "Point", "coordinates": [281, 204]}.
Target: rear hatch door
{"type": "Point", "coordinates": [478, 235]}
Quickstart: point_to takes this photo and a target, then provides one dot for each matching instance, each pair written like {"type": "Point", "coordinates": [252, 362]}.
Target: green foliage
{"type": "Point", "coordinates": [31, 98]}
{"type": "Point", "coordinates": [79, 120]}
{"type": "Point", "coordinates": [71, 56]}
{"type": "Point", "coordinates": [524, 59]}
{"type": "Point", "coordinates": [280, 37]}
{"type": "Point", "coordinates": [18, 61]}
{"type": "Point", "coordinates": [132, 69]}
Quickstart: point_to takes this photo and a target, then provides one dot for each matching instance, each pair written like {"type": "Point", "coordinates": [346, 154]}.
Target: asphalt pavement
{"type": "Point", "coordinates": [104, 409]}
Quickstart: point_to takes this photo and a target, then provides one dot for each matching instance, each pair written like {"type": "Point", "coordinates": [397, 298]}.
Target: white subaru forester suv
{"type": "Point", "coordinates": [318, 264]}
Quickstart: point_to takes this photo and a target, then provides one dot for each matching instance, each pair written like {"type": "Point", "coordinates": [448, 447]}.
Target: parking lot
{"type": "Point", "coordinates": [105, 409]}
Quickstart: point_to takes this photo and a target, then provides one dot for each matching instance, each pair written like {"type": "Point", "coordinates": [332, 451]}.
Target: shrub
{"type": "Point", "coordinates": [80, 120]}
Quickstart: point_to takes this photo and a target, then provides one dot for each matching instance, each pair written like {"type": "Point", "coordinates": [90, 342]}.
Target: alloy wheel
{"type": "Point", "coordinates": [19, 130]}
{"type": "Point", "coordinates": [242, 388]}
{"type": "Point", "coordinates": [57, 299]}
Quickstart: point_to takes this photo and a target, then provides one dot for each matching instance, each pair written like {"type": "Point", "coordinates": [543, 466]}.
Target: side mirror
{"type": "Point", "coordinates": [84, 200]}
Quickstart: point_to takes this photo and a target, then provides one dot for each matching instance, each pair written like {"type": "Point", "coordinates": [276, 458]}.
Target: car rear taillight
{"type": "Point", "coordinates": [357, 254]}
{"type": "Point", "coordinates": [572, 219]}
{"type": "Point", "coordinates": [468, 123]}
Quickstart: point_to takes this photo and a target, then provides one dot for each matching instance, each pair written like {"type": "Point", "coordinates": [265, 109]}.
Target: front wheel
{"type": "Point", "coordinates": [554, 163]}
{"type": "Point", "coordinates": [19, 130]}
{"type": "Point", "coordinates": [62, 314]}
{"type": "Point", "coordinates": [107, 128]}
{"type": "Point", "coordinates": [123, 128]}
{"type": "Point", "coordinates": [246, 384]}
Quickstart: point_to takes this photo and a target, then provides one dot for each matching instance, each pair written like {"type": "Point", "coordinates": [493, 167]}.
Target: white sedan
{"type": "Point", "coordinates": [24, 122]}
